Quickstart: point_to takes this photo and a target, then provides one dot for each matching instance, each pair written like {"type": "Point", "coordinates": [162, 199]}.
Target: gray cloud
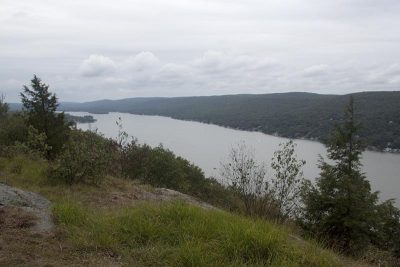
{"type": "Point", "coordinates": [96, 65]}
{"type": "Point", "coordinates": [92, 49]}
{"type": "Point", "coordinates": [388, 75]}
{"type": "Point", "coordinates": [143, 61]}
{"type": "Point", "coordinates": [316, 70]}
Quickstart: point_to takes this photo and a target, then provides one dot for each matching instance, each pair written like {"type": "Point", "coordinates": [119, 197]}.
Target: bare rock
{"type": "Point", "coordinates": [165, 194]}
{"type": "Point", "coordinates": [138, 194]}
{"type": "Point", "coordinates": [31, 202]}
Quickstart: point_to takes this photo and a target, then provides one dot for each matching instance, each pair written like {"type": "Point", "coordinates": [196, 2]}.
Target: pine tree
{"type": "Point", "coordinates": [41, 106]}
{"type": "Point", "coordinates": [341, 206]}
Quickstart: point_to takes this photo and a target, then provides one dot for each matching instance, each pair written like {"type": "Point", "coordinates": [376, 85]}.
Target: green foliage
{"type": "Point", "coordinates": [23, 170]}
{"type": "Point", "coordinates": [287, 182]}
{"type": "Point", "coordinates": [86, 158]}
{"type": "Point", "coordinates": [387, 232]}
{"type": "Point", "coordinates": [41, 107]}
{"type": "Point", "coordinates": [247, 178]}
{"type": "Point", "coordinates": [37, 142]}
{"type": "Point", "coordinates": [156, 166]}
{"type": "Point", "coordinates": [12, 130]}
{"type": "Point", "coordinates": [180, 235]}
{"type": "Point", "coordinates": [79, 119]}
{"type": "Point", "coordinates": [243, 172]}
{"type": "Point", "coordinates": [276, 197]}
{"type": "Point", "coordinates": [216, 194]}
{"type": "Point", "coordinates": [34, 145]}
{"type": "Point", "coordinates": [16, 137]}
{"type": "Point", "coordinates": [3, 107]}
{"type": "Point", "coordinates": [160, 167]}
{"type": "Point", "coordinates": [377, 257]}
{"type": "Point", "coordinates": [341, 206]}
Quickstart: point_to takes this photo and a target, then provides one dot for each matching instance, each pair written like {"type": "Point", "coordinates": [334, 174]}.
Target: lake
{"type": "Point", "coordinates": [207, 145]}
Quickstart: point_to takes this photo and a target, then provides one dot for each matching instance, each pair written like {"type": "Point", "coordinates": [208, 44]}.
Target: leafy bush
{"type": "Point", "coordinates": [247, 178]}
{"type": "Point", "coordinates": [12, 130]}
{"type": "Point", "coordinates": [158, 166]}
{"type": "Point", "coordinates": [275, 198]}
{"type": "Point", "coordinates": [3, 106]}
{"type": "Point", "coordinates": [387, 231]}
{"type": "Point", "coordinates": [378, 257]}
{"type": "Point", "coordinates": [17, 138]}
{"type": "Point", "coordinates": [286, 185]}
{"type": "Point", "coordinates": [87, 157]}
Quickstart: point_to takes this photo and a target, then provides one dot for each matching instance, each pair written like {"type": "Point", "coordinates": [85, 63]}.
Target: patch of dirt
{"type": "Point", "coordinates": [137, 194]}
{"type": "Point", "coordinates": [115, 192]}
{"type": "Point", "coordinates": [16, 218]}
{"type": "Point", "coordinates": [19, 246]}
{"type": "Point", "coordinates": [34, 205]}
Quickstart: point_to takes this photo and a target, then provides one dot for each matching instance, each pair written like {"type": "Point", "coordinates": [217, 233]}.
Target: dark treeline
{"type": "Point", "coordinates": [80, 119]}
{"type": "Point", "coordinates": [293, 115]}
{"type": "Point", "coordinates": [339, 209]}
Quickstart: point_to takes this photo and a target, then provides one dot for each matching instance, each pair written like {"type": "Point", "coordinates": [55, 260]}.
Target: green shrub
{"type": "Point", "coordinates": [36, 142]}
{"type": "Point", "coordinates": [12, 130]}
{"type": "Point", "coordinates": [16, 137]}
{"type": "Point", "coordinates": [133, 159]}
{"type": "Point", "coordinates": [160, 167]}
{"type": "Point", "coordinates": [87, 157]}
{"type": "Point", "coordinates": [387, 230]}
{"type": "Point", "coordinates": [379, 257]}
{"type": "Point", "coordinates": [3, 107]}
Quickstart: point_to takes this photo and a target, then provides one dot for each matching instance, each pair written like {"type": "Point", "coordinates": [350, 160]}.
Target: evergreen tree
{"type": "Point", "coordinates": [41, 106]}
{"type": "Point", "coordinates": [341, 206]}
{"type": "Point", "coordinates": [387, 232]}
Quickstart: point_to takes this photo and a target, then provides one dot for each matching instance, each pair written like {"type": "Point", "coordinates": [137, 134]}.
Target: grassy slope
{"type": "Point", "coordinates": [93, 229]}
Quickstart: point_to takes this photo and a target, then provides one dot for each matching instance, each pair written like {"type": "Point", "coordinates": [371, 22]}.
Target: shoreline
{"type": "Point", "coordinates": [369, 148]}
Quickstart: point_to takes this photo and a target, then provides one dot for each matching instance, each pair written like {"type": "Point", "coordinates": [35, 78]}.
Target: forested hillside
{"type": "Point", "coordinates": [294, 115]}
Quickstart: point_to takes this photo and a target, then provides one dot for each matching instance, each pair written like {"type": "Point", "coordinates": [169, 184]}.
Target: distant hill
{"type": "Point", "coordinates": [293, 115]}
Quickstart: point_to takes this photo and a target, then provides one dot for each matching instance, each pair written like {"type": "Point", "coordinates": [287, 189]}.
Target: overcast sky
{"type": "Point", "coordinates": [94, 49]}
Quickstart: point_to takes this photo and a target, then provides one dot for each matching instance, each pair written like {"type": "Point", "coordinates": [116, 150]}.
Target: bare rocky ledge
{"type": "Point", "coordinates": [31, 202]}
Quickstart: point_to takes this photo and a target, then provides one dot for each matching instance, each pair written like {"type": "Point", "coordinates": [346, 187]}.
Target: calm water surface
{"type": "Point", "coordinates": [208, 145]}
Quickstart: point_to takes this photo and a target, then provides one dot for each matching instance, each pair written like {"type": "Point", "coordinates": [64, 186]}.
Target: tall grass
{"type": "Point", "coordinates": [22, 171]}
{"type": "Point", "coordinates": [177, 234]}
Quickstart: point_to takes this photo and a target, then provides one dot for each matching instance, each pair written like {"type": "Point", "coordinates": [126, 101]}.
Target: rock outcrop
{"type": "Point", "coordinates": [31, 202]}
